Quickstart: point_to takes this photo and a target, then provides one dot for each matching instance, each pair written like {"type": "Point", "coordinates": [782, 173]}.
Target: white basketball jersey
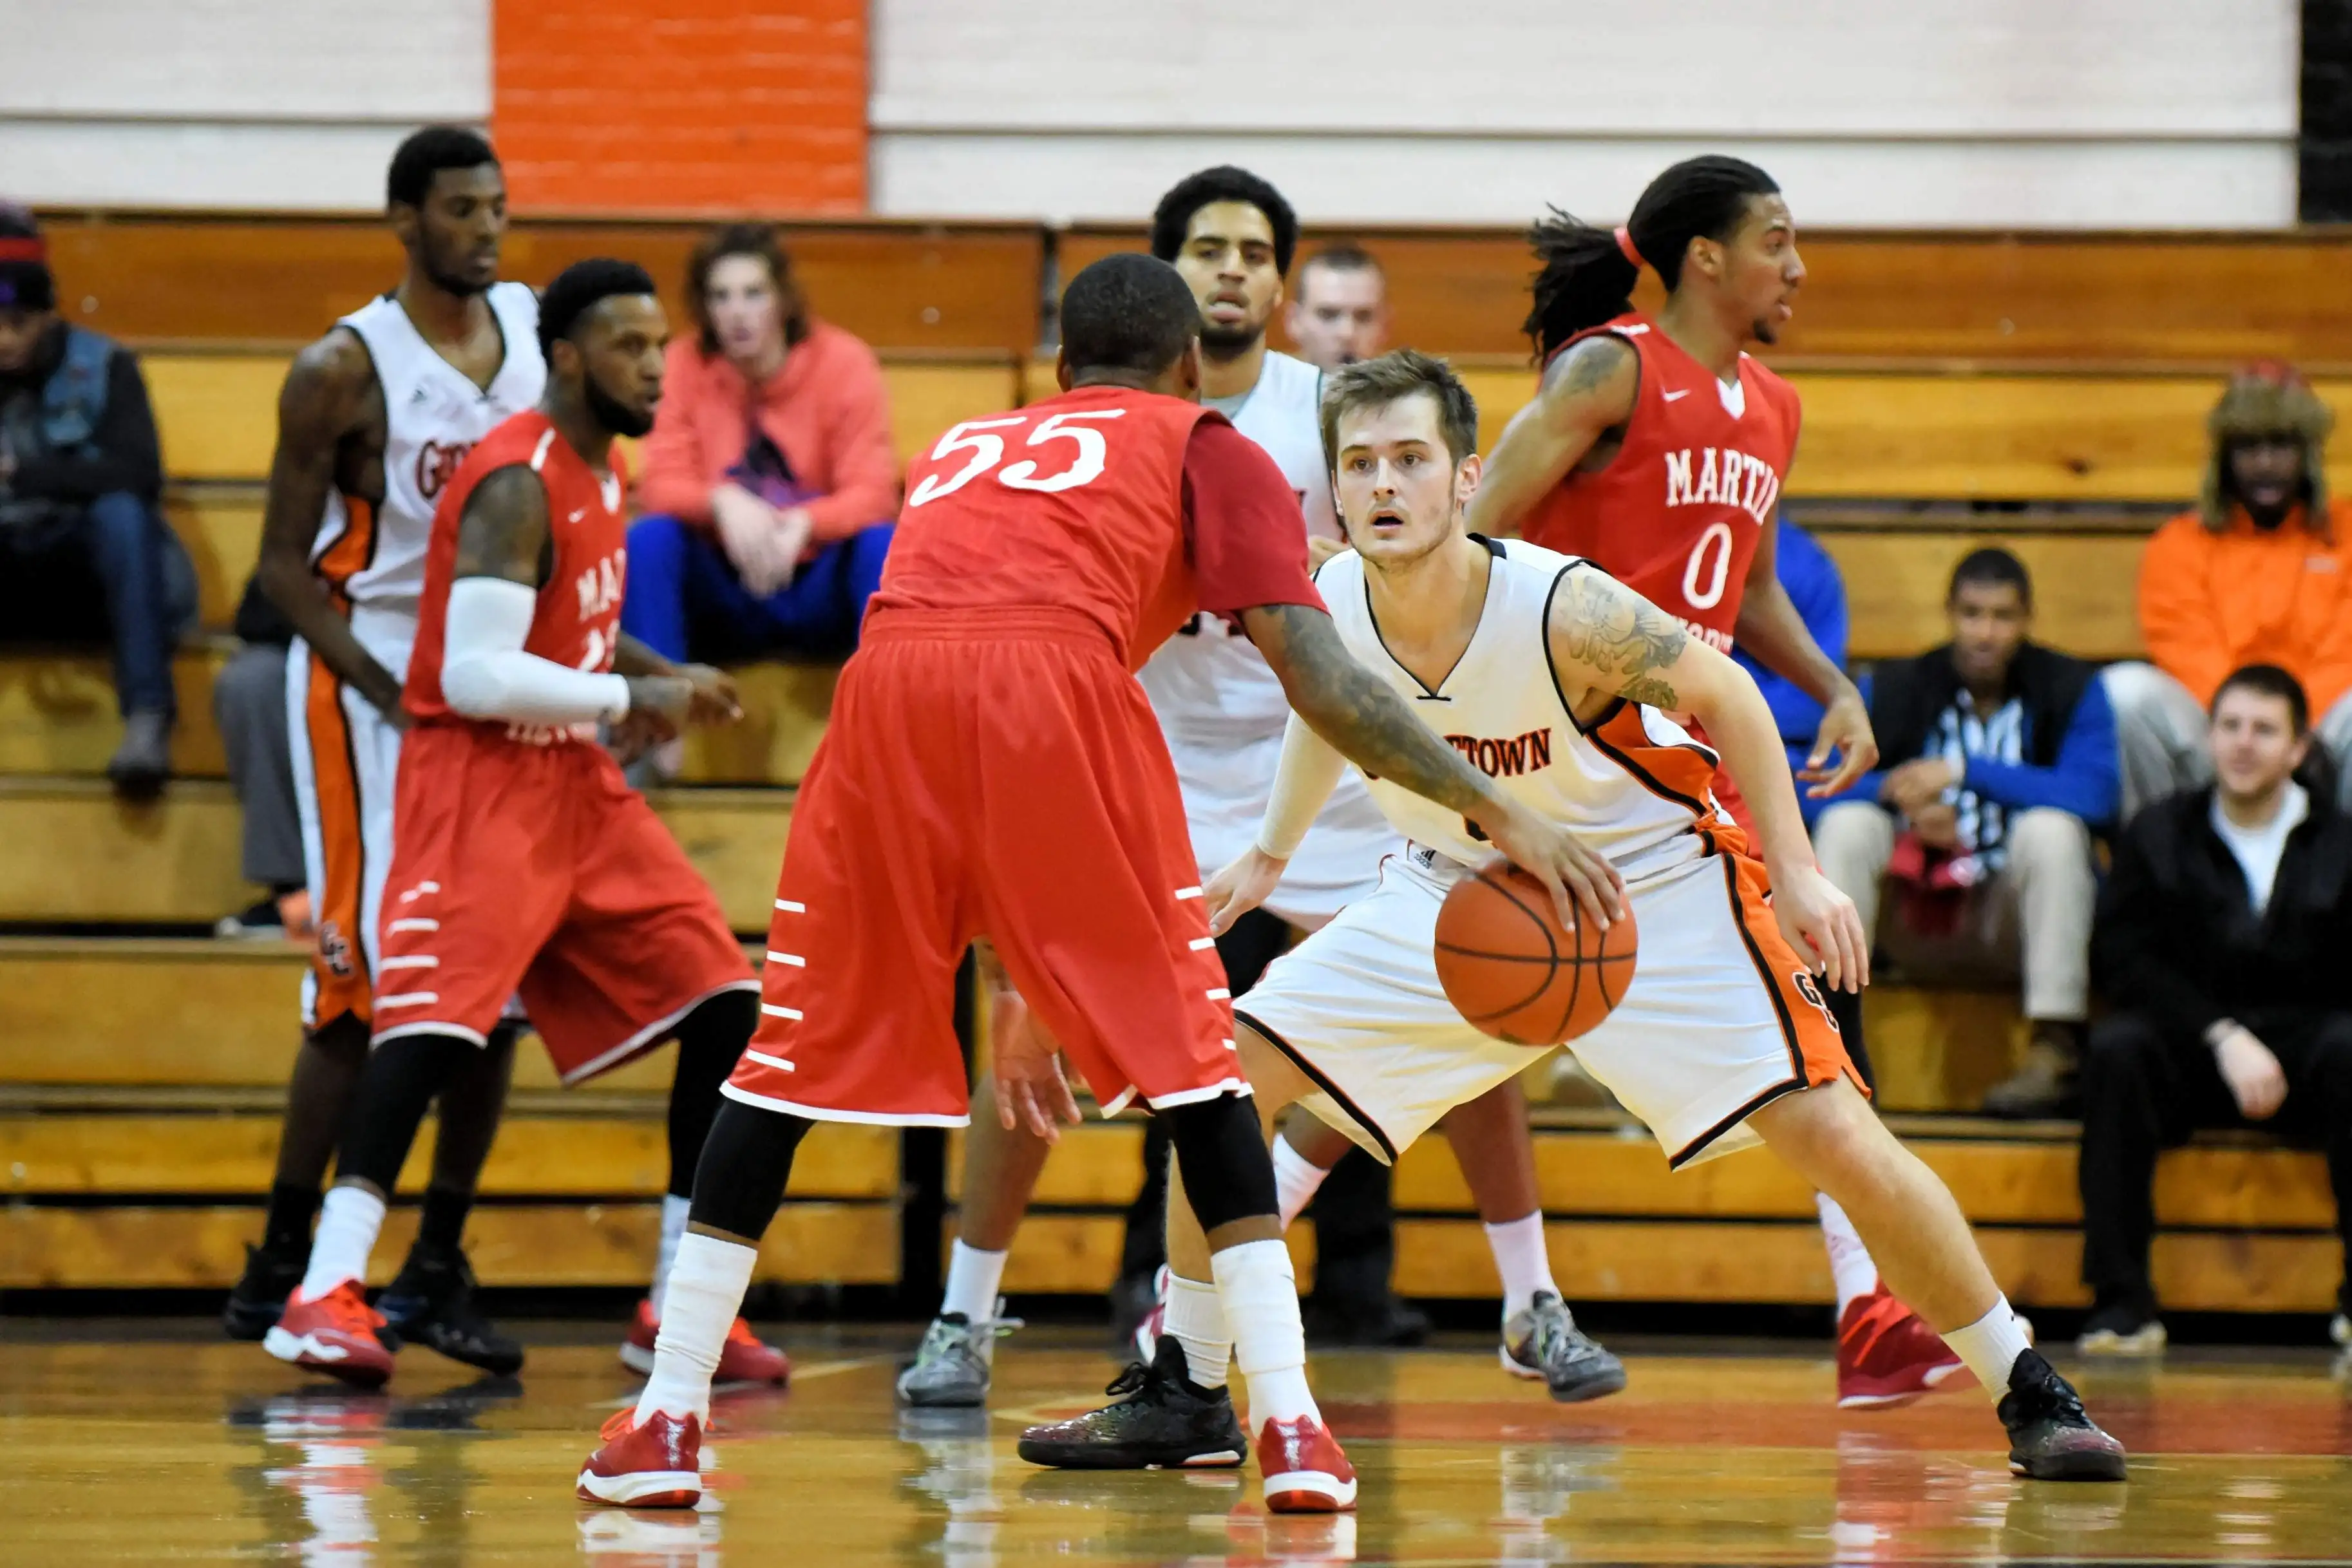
{"type": "Point", "coordinates": [1627, 784]}
{"type": "Point", "coordinates": [1223, 710]}
{"type": "Point", "coordinates": [432, 415]}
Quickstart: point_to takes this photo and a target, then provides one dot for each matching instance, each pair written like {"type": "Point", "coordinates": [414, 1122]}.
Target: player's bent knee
{"type": "Point", "coordinates": [1221, 1151]}
{"type": "Point", "coordinates": [1275, 1081]}
{"type": "Point", "coordinates": [746, 1161]}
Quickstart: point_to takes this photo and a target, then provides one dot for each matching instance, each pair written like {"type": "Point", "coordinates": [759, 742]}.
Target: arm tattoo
{"type": "Point", "coordinates": [1357, 712]}
{"type": "Point", "coordinates": [1616, 633]}
{"type": "Point", "coordinates": [1587, 365]}
{"type": "Point", "coordinates": [503, 531]}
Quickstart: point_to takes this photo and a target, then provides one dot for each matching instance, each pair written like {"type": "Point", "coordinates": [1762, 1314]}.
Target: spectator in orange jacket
{"type": "Point", "coordinates": [2260, 573]}
{"type": "Point", "coordinates": [770, 481]}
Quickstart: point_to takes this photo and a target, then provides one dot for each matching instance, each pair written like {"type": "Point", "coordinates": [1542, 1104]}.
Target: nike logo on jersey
{"type": "Point", "coordinates": [1675, 397]}
{"type": "Point", "coordinates": [577, 515]}
{"type": "Point", "coordinates": [419, 395]}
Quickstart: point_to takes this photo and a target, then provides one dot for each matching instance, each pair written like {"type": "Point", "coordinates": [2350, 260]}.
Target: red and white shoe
{"type": "Point", "coordinates": [334, 1334]}
{"type": "Point", "coordinates": [1885, 1355]}
{"type": "Point", "coordinates": [743, 1358]}
{"type": "Point", "coordinates": [1304, 1470]}
{"type": "Point", "coordinates": [1155, 1321]}
{"type": "Point", "coordinates": [655, 1465]}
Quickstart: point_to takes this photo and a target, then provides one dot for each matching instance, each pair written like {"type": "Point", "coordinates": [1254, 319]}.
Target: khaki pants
{"type": "Point", "coordinates": [2031, 919]}
{"type": "Point", "coordinates": [2160, 733]}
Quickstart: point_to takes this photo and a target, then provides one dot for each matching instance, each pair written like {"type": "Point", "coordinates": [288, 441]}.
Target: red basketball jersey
{"type": "Point", "coordinates": [1074, 503]}
{"type": "Point", "coordinates": [1676, 514]}
{"type": "Point", "coordinates": [577, 621]}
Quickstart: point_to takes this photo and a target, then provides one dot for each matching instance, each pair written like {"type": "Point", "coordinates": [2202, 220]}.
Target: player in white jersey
{"type": "Point", "coordinates": [1557, 679]}
{"type": "Point", "coordinates": [375, 418]}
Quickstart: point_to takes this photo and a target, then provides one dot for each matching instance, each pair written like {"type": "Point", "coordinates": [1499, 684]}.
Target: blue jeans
{"type": "Point", "coordinates": [122, 545]}
{"type": "Point", "coordinates": [684, 600]}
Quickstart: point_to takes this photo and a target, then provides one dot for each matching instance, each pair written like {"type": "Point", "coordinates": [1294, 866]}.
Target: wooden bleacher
{"type": "Point", "coordinates": [2045, 392]}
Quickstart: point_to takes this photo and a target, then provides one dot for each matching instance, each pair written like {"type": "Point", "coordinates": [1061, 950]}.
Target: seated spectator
{"type": "Point", "coordinates": [1997, 761]}
{"type": "Point", "coordinates": [81, 477]}
{"type": "Point", "coordinates": [1341, 313]}
{"type": "Point", "coordinates": [770, 483]}
{"type": "Point", "coordinates": [1814, 587]}
{"type": "Point", "coordinates": [249, 704]}
{"type": "Point", "coordinates": [2261, 572]}
{"type": "Point", "coordinates": [2221, 941]}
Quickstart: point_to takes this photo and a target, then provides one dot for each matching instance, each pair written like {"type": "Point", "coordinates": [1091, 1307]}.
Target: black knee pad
{"type": "Point", "coordinates": [1228, 1175]}
{"type": "Point", "coordinates": [746, 1161]}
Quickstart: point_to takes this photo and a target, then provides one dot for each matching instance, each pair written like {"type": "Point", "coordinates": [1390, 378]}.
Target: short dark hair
{"type": "Point", "coordinates": [1989, 567]}
{"type": "Point", "coordinates": [2268, 681]}
{"type": "Point", "coordinates": [1128, 312]}
{"type": "Point", "coordinates": [1587, 277]}
{"type": "Point", "coordinates": [1394, 376]}
{"type": "Point", "coordinates": [756, 240]}
{"type": "Point", "coordinates": [1345, 256]}
{"type": "Point", "coordinates": [1222, 184]}
{"type": "Point", "coordinates": [425, 153]}
{"type": "Point", "coordinates": [579, 288]}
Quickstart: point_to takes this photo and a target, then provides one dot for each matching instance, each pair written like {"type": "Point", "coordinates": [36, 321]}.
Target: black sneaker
{"type": "Point", "coordinates": [259, 1294]}
{"type": "Point", "coordinates": [2122, 1326]}
{"type": "Point", "coordinates": [2051, 1438]}
{"type": "Point", "coordinates": [1160, 1420]}
{"type": "Point", "coordinates": [431, 1302]}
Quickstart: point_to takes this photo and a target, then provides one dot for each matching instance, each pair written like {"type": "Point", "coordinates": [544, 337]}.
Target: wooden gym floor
{"type": "Point", "coordinates": [145, 1443]}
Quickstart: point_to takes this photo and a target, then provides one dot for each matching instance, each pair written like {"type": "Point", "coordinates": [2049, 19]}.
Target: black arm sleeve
{"type": "Point", "coordinates": [2129, 958]}
{"type": "Point", "coordinates": [128, 456]}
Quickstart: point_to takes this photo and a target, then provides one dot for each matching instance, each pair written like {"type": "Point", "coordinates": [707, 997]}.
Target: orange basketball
{"type": "Point", "coordinates": [1514, 973]}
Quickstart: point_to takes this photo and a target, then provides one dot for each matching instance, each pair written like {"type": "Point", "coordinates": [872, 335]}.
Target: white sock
{"type": "Point", "coordinates": [1260, 1294]}
{"type": "Point", "coordinates": [1196, 1320]}
{"type": "Point", "coordinates": [348, 1223]}
{"type": "Point", "coordinates": [1850, 1266]}
{"type": "Point", "coordinates": [972, 1278]}
{"type": "Point", "coordinates": [707, 1281]}
{"type": "Point", "coordinates": [1523, 1262]}
{"type": "Point", "coordinates": [1991, 1345]}
{"type": "Point", "coordinates": [1296, 1179]}
{"type": "Point", "coordinates": [674, 1212]}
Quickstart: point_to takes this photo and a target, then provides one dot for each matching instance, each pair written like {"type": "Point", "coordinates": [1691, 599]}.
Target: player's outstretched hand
{"type": "Point", "coordinates": [1820, 922]}
{"type": "Point", "coordinates": [714, 700]}
{"type": "Point", "coordinates": [1032, 1090]}
{"type": "Point", "coordinates": [1845, 733]}
{"type": "Point", "coordinates": [1561, 862]}
{"type": "Point", "coordinates": [1241, 887]}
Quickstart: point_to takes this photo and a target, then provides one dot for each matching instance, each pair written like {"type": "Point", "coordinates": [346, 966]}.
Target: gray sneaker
{"type": "Point", "coordinates": [1544, 1342]}
{"type": "Point", "coordinates": [951, 1368]}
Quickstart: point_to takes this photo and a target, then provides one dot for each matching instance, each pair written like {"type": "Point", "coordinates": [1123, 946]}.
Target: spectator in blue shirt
{"type": "Point", "coordinates": [1817, 591]}
{"type": "Point", "coordinates": [1998, 760]}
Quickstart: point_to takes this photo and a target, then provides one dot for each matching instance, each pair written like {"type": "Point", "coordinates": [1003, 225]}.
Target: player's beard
{"type": "Point", "coordinates": [614, 415]}
{"type": "Point", "coordinates": [1764, 331]}
{"type": "Point", "coordinates": [1228, 342]}
{"type": "Point", "coordinates": [454, 283]}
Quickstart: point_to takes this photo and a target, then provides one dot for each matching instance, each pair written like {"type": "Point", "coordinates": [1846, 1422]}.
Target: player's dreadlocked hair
{"type": "Point", "coordinates": [1587, 273]}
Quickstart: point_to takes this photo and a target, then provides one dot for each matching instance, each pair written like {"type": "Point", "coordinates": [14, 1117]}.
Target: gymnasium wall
{"type": "Point", "coordinates": [1931, 113]}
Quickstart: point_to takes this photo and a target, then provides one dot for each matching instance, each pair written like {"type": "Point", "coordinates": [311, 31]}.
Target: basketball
{"type": "Point", "coordinates": [1512, 971]}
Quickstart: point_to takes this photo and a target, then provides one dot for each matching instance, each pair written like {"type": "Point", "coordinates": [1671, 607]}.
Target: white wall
{"type": "Point", "coordinates": [2166, 113]}
{"type": "Point", "coordinates": [229, 103]}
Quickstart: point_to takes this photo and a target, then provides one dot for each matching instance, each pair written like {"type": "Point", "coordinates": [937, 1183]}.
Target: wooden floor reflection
{"type": "Point", "coordinates": [141, 1444]}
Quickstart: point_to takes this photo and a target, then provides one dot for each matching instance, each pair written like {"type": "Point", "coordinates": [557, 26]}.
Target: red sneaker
{"type": "Point", "coordinates": [743, 1359]}
{"type": "Point", "coordinates": [334, 1334]}
{"type": "Point", "coordinates": [656, 1465]}
{"type": "Point", "coordinates": [1305, 1471]}
{"type": "Point", "coordinates": [1885, 1355]}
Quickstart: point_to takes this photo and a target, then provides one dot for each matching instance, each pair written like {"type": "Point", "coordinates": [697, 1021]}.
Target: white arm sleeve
{"type": "Point", "coordinates": [484, 674]}
{"type": "Point", "coordinates": [1309, 772]}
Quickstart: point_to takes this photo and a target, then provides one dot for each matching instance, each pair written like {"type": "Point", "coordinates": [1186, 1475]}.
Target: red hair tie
{"type": "Point", "coordinates": [14, 248]}
{"type": "Point", "coordinates": [1626, 247]}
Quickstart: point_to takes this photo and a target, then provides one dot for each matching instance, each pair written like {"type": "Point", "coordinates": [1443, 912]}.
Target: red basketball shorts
{"type": "Point", "coordinates": [997, 775]}
{"type": "Point", "coordinates": [536, 869]}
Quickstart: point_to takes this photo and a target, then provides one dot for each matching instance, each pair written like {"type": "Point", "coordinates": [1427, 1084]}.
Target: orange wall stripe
{"type": "Point", "coordinates": [681, 106]}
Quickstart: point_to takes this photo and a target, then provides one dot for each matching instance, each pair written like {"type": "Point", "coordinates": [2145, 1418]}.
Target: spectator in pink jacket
{"type": "Point", "coordinates": [770, 483]}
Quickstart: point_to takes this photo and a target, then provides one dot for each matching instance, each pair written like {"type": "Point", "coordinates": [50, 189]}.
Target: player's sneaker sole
{"type": "Point", "coordinates": [320, 1355]}
{"type": "Point", "coordinates": [1308, 1491]}
{"type": "Point", "coordinates": [1598, 1386]}
{"type": "Point", "coordinates": [1912, 1388]}
{"type": "Point", "coordinates": [1077, 1456]}
{"type": "Point", "coordinates": [642, 1489]}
